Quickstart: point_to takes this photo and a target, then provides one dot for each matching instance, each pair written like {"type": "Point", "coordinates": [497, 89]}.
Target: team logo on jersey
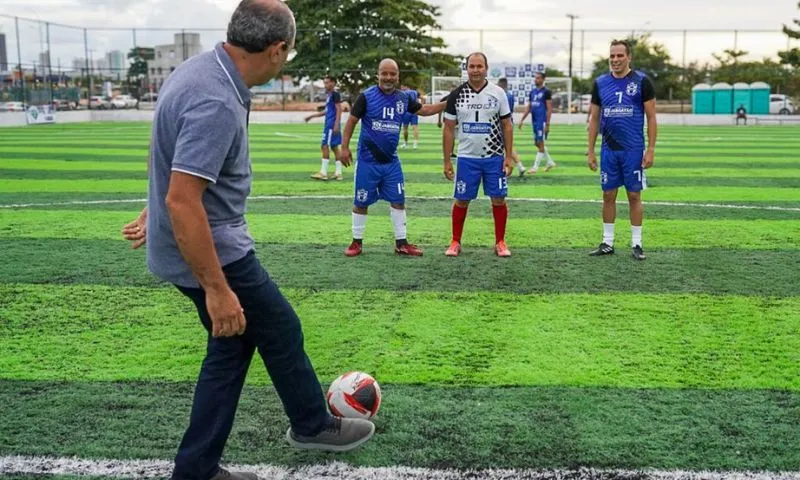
{"type": "Point", "coordinates": [400, 108]}
{"type": "Point", "coordinates": [631, 89]}
{"type": "Point", "coordinates": [361, 195]}
{"type": "Point", "coordinates": [461, 187]}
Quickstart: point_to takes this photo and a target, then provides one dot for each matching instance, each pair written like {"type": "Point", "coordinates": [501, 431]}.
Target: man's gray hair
{"type": "Point", "coordinates": [255, 26]}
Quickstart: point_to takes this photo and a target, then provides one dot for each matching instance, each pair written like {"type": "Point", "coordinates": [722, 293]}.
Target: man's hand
{"type": "Point", "coordinates": [308, 118]}
{"type": "Point", "coordinates": [591, 160]}
{"type": "Point", "coordinates": [546, 128]}
{"type": "Point", "coordinates": [448, 169]}
{"type": "Point", "coordinates": [508, 165]}
{"type": "Point", "coordinates": [136, 231]}
{"type": "Point", "coordinates": [649, 158]}
{"type": "Point", "coordinates": [520, 125]}
{"type": "Point", "coordinates": [439, 124]}
{"type": "Point", "coordinates": [336, 130]}
{"type": "Point", "coordinates": [227, 315]}
{"type": "Point", "coordinates": [345, 156]}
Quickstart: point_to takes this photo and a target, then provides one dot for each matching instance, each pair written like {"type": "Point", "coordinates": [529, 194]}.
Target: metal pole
{"type": "Point", "coordinates": [530, 47]}
{"type": "Point", "coordinates": [88, 72]}
{"type": "Point", "coordinates": [582, 47]}
{"type": "Point", "coordinates": [572, 18]}
{"type": "Point", "coordinates": [134, 37]}
{"type": "Point", "coordinates": [19, 63]}
{"type": "Point", "coordinates": [330, 51]}
{"type": "Point", "coordinates": [183, 44]}
{"type": "Point", "coordinates": [736, 39]}
{"type": "Point", "coordinates": [49, 63]}
{"type": "Point", "coordinates": [480, 41]}
{"type": "Point", "coordinates": [683, 56]}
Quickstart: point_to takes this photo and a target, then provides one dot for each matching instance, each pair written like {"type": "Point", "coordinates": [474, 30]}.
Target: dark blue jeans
{"type": "Point", "coordinates": [274, 329]}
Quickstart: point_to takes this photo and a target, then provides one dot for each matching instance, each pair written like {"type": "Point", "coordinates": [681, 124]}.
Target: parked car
{"type": "Point", "coordinates": [780, 104]}
{"type": "Point", "coordinates": [99, 102]}
{"type": "Point", "coordinates": [128, 101]}
{"type": "Point", "coordinates": [12, 107]}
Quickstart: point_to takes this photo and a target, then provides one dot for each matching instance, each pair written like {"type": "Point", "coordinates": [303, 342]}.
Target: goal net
{"type": "Point", "coordinates": [560, 87]}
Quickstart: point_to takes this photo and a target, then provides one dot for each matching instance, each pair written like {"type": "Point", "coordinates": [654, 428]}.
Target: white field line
{"type": "Point", "coordinates": [112, 201]}
{"type": "Point", "coordinates": [341, 471]}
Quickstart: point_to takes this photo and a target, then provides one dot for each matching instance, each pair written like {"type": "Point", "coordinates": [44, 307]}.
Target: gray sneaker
{"type": "Point", "coordinates": [223, 474]}
{"type": "Point", "coordinates": [341, 435]}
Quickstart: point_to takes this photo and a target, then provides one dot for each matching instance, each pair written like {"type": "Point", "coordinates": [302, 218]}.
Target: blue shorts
{"type": "Point", "coordinates": [376, 181]}
{"type": "Point", "coordinates": [410, 118]}
{"type": "Point", "coordinates": [538, 132]}
{"type": "Point", "coordinates": [331, 139]}
{"type": "Point", "coordinates": [622, 167]}
{"type": "Point", "coordinates": [470, 172]}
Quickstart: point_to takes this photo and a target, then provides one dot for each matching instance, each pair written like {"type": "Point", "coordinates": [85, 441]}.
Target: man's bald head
{"type": "Point", "coordinates": [257, 24]}
{"type": "Point", "coordinates": [388, 75]}
{"type": "Point", "coordinates": [388, 63]}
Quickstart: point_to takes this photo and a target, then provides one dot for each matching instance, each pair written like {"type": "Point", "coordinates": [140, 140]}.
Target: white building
{"type": "Point", "coordinates": [117, 64]}
{"type": "Point", "coordinates": [169, 56]}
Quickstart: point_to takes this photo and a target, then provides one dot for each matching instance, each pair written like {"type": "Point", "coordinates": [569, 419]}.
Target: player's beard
{"type": "Point", "coordinates": [388, 86]}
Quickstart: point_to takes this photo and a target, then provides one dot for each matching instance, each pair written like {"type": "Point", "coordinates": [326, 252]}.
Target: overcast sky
{"type": "Point", "coordinates": [548, 47]}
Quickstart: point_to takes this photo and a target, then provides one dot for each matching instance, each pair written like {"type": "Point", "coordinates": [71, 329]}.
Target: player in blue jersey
{"type": "Point", "coordinates": [331, 132]}
{"type": "Point", "coordinates": [540, 107]}
{"type": "Point", "coordinates": [380, 109]}
{"type": "Point", "coordinates": [621, 99]}
{"type": "Point", "coordinates": [411, 118]}
{"type": "Point", "coordinates": [503, 83]}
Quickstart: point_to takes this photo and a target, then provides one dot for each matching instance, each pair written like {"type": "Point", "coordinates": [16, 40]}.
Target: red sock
{"type": "Point", "coordinates": [500, 213]}
{"type": "Point", "coordinates": [459, 216]}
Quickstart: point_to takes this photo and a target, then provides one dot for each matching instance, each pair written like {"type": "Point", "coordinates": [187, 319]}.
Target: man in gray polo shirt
{"type": "Point", "coordinates": [197, 239]}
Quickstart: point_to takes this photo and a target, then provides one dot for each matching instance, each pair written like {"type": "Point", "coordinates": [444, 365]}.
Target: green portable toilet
{"type": "Point", "coordinates": [723, 98]}
{"type": "Point", "coordinates": [741, 97]}
{"type": "Point", "coordinates": [759, 98]}
{"type": "Point", "coordinates": [702, 99]}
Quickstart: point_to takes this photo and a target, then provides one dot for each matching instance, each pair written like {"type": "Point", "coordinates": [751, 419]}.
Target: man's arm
{"type": "Point", "coordinates": [525, 114]}
{"type": "Point", "coordinates": [649, 103]}
{"type": "Point", "coordinates": [192, 230]}
{"type": "Point", "coordinates": [315, 115]}
{"type": "Point", "coordinates": [428, 109]}
{"type": "Point", "coordinates": [549, 112]}
{"type": "Point", "coordinates": [508, 135]}
{"type": "Point", "coordinates": [337, 122]}
{"type": "Point", "coordinates": [359, 110]}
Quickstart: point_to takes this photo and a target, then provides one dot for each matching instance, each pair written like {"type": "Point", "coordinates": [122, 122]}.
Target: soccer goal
{"type": "Point", "coordinates": [560, 88]}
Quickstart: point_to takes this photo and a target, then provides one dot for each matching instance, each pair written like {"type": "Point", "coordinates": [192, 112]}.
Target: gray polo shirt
{"type": "Point", "coordinates": [200, 128]}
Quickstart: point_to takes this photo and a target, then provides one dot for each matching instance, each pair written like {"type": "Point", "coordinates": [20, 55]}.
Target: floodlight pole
{"type": "Point", "coordinates": [572, 18]}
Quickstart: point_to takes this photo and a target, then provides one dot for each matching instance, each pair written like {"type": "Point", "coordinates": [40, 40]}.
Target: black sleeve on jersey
{"type": "Point", "coordinates": [595, 94]}
{"type": "Point", "coordinates": [451, 103]}
{"type": "Point", "coordinates": [548, 95]}
{"type": "Point", "coordinates": [445, 98]}
{"type": "Point", "coordinates": [337, 97]}
{"type": "Point", "coordinates": [648, 90]}
{"type": "Point", "coordinates": [413, 106]}
{"type": "Point", "coordinates": [360, 107]}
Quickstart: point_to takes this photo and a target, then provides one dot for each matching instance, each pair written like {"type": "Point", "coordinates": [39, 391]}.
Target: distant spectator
{"type": "Point", "coordinates": [741, 113]}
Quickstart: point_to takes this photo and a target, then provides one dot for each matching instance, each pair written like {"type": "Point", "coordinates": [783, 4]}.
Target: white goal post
{"type": "Point", "coordinates": [560, 87]}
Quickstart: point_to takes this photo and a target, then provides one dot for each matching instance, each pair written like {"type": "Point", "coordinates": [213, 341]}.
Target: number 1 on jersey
{"type": "Point", "coordinates": [477, 117]}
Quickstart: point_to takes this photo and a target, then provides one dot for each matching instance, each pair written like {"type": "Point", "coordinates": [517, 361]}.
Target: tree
{"type": "Point", "coordinates": [655, 61]}
{"type": "Point", "coordinates": [791, 56]}
{"type": "Point", "coordinates": [137, 71]}
{"type": "Point", "coordinates": [348, 38]}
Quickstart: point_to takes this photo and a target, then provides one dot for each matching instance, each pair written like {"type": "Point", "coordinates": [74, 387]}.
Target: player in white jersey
{"type": "Point", "coordinates": [485, 146]}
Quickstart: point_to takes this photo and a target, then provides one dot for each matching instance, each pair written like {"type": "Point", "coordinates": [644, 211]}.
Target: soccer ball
{"type": "Point", "coordinates": [354, 395]}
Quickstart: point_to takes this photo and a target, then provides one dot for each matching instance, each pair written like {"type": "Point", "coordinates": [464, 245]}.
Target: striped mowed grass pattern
{"type": "Point", "coordinates": [550, 359]}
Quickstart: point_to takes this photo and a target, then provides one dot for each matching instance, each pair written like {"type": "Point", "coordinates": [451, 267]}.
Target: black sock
{"type": "Point", "coordinates": [357, 240]}
{"type": "Point", "coordinates": [401, 242]}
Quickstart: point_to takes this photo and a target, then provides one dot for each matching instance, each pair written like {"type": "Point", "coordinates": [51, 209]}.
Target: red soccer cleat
{"type": "Point", "coordinates": [353, 250]}
{"type": "Point", "coordinates": [408, 249]}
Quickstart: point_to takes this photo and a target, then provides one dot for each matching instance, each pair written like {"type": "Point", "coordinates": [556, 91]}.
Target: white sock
{"type": "Point", "coordinates": [539, 157]}
{"type": "Point", "coordinates": [549, 159]}
{"type": "Point", "coordinates": [338, 167]}
{"type": "Point", "coordinates": [398, 222]}
{"type": "Point", "coordinates": [608, 234]}
{"type": "Point", "coordinates": [520, 167]}
{"type": "Point", "coordinates": [636, 236]}
{"type": "Point", "coordinates": [359, 225]}
{"type": "Point", "coordinates": [324, 169]}
{"type": "Point", "coordinates": [415, 144]}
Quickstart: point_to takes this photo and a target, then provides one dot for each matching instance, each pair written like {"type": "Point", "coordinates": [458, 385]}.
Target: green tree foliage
{"type": "Point", "coordinates": [348, 38]}
{"type": "Point", "coordinates": [137, 71]}
{"type": "Point", "coordinates": [791, 56]}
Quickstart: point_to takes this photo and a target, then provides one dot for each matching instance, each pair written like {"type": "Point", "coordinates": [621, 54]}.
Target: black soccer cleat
{"type": "Point", "coordinates": [602, 249]}
{"type": "Point", "coordinates": [638, 253]}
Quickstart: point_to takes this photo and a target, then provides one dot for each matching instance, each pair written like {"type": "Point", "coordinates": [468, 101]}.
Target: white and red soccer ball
{"type": "Point", "coordinates": [354, 395]}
